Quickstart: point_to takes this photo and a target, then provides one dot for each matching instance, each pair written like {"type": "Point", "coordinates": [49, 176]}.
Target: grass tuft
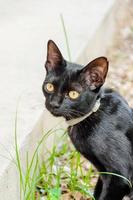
{"type": "Point", "coordinates": [66, 37]}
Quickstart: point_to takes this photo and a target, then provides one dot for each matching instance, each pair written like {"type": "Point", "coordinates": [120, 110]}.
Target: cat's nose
{"type": "Point", "coordinates": [54, 104]}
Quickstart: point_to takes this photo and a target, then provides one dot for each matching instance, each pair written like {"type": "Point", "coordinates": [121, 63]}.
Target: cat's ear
{"type": "Point", "coordinates": [95, 72]}
{"type": "Point", "coordinates": [54, 57]}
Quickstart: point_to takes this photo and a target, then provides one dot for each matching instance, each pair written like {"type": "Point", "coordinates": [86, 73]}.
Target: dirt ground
{"type": "Point", "coordinates": [120, 76]}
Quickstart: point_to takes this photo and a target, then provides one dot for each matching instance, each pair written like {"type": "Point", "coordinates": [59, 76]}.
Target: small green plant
{"type": "Point", "coordinates": [28, 178]}
{"type": "Point", "coordinates": [63, 172]}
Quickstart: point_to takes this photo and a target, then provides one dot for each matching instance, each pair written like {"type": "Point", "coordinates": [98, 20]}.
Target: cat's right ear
{"type": "Point", "coordinates": [95, 72]}
{"type": "Point", "coordinates": [55, 59]}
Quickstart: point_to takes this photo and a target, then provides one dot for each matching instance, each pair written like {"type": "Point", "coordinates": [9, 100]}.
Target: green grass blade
{"type": "Point", "coordinates": [17, 152]}
{"type": "Point", "coordinates": [66, 37]}
{"type": "Point", "coordinates": [118, 175]}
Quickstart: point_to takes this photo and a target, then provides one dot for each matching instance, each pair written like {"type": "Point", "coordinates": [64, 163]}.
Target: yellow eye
{"type": "Point", "coordinates": [49, 87]}
{"type": "Point", "coordinates": [73, 94]}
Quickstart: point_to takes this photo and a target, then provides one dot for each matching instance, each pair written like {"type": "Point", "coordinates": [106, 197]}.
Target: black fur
{"type": "Point", "coordinates": [105, 138]}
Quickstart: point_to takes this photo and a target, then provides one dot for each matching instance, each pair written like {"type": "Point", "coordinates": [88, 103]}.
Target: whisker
{"type": "Point", "coordinates": [77, 111]}
{"type": "Point", "coordinates": [74, 111]}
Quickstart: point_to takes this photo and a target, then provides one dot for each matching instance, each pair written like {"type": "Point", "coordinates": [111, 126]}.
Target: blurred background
{"type": "Point", "coordinates": [120, 53]}
{"type": "Point", "coordinates": [83, 30]}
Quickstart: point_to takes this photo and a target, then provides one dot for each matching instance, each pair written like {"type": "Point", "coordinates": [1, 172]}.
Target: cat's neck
{"type": "Point", "coordinates": [75, 121]}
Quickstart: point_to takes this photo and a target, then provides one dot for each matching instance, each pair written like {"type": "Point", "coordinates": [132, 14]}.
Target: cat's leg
{"type": "Point", "coordinates": [114, 188]}
{"type": "Point", "coordinates": [98, 189]}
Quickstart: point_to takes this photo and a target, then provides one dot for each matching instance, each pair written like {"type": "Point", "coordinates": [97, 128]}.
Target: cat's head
{"type": "Point", "coordinates": [71, 90]}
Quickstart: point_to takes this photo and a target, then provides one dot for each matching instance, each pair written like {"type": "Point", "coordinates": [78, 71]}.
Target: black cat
{"type": "Point", "coordinates": [100, 120]}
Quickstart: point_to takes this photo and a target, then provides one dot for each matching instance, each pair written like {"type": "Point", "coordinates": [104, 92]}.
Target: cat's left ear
{"type": "Point", "coordinates": [54, 57]}
{"type": "Point", "coordinates": [95, 72]}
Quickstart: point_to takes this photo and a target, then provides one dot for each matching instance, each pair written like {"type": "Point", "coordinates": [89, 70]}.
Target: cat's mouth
{"type": "Point", "coordinates": [56, 113]}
